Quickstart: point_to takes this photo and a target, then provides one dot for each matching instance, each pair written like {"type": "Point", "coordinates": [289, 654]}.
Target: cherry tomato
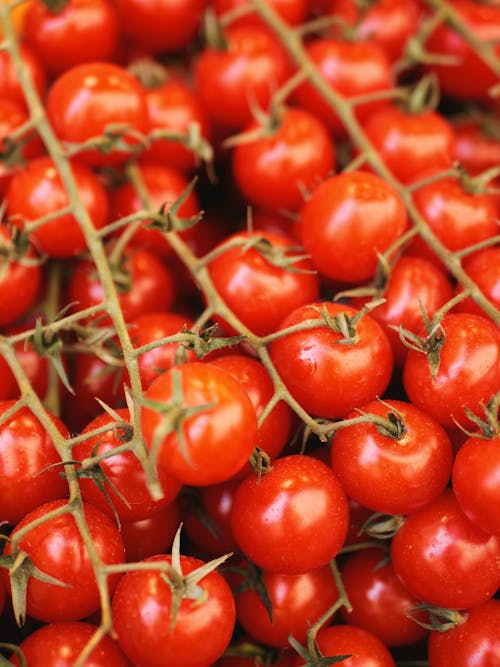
{"type": "Point", "coordinates": [347, 220]}
{"type": "Point", "coordinates": [217, 439]}
{"type": "Point", "coordinates": [151, 536]}
{"type": "Point", "coordinates": [10, 86]}
{"type": "Point", "coordinates": [326, 376]}
{"type": "Point", "coordinates": [142, 617]}
{"type": "Point", "coordinates": [35, 367]}
{"type": "Point", "coordinates": [444, 559]}
{"type": "Point", "coordinates": [483, 267]}
{"type": "Point", "coordinates": [475, 148]}
{"type": "Point", "coordinates": [293, 12]}
{"type": "Point", "coordinates": [292, 519]}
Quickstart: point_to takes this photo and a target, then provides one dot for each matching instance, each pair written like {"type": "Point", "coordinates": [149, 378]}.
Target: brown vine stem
{"type": "Point", "coordinates": [344, 111]}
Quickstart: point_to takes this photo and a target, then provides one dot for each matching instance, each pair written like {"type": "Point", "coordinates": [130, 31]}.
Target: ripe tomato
{"type": "Point", "coordinates": [292, 519]}
{"type": "Point", "coordinates": [142, 608]}
{"type": "Point", "coordinates": [276, 170]}
{"type": "Point", "coordinates": [151, 536]}
{"type": "Point", "coordinates": [10, 86]}
{"type": "Point", "coordinates": [475, 148]}
{"type": "Point", "coordinates": [59, 645]}
{"type": "Point", "coordinates": [38, 190]}
{"type": "Point", "coordinates": [260, 282]}
{"type": "Point", "coordinates": [468, 374]}
{"type": "Point", "coordinates": [392, 475]}
{"type": "Point", "coordinates": [35, 367]}
{"type": "Point", "coordinates": [293, 12]}
{"type": "Point", "coordinates": [444, 559]}
{"type": "Point", "coordinates": [82, 31]}
{"type": "Point", "coordinates": [56, 547]}
{"type": "Point", "coordinates": [88, 98]}
{"type": "Point", "coordinates": [484, 269]}
{"type": "Point", "coordinates": [325, 375]}
{"type": "Point", "coordinates": [347, 220]}
{"type": "Point", "coordinates": [217, 439]}
{"type": "Point", "coordinates": [26, 452]}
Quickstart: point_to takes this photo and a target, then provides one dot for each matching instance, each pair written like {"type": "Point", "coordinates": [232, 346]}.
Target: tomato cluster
{"type": "Point", "coordinates": [249, 333]}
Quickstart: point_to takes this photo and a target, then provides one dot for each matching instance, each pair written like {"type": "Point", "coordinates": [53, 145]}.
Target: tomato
{"type": "Point", "coordinates": [294, 12]}
{"type": "Point", "coordinates": [60, 644]}
{"type": "Point", "coordinates": [124, 477]}
{"type": "Point", "coordinates": [347, 220]}
{"type": "Point", "coordinates": [473, 643]}
{"type": "Point", "coordinates": [468, 373]}
{"type": "Point", "coordinates": [277, 169]}
{"type": "Point", "coordinates": [142, 608]}
{"type": "Point", "coordinates": [247, 72]}
{"type": "Point", "coordinates": [392, 475]}
{"type": "Point", "coordinates": [363, 648]}
{"type": "Point", "coordinates": [352, 69]}
{"type": "Point", "coordinates": [26, 452]}
{"type": "Point", "coordinates": [483, 267]}
{"type": "Point", "coordinates": [476, 148]}
{"type": "Point", "coordinates": [151, 536]}
{"type": "Point", "coordinates": [409, 143]}
{"type": "Point", "coordinates": [444, 559]}
{"type": "Point", "coordinates": [10, 86]}
{"type": "Point", "coordinates": [326, 376]}
{"type": "Point", "coordinates": [56, 548]}
{"type": "Point", "coordinates": [82, 31]}
{"type": "Point", "coordinates": [468, 76]}
{"type": "Point", "coordinates": [173, 106]}
{"type": "Point", "coordinates": [164, 186]}
{"type": "Point", "coordinates": [292, 519]}
{"type": "Point", "coordinates": [261, 281]}
{"type": "Point", "coordinates": [297, 601]}
{"type": "Point", "coordinates": [380, 602]}
{"type": "Point", "coordinates": [88, 98]}
{"type": "Point", "coordinates": [217, 439]}
{"type": "Point", "coordinates": [38, 191]}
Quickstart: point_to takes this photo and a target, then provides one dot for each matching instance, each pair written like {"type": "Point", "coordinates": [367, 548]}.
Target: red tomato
{"type": "Point", "coordinates": [473, 643]}
{"type": "Point", "coordinates": [475, 148]}
{"type": "Point", "coordinates": [352, 69]}
{"type": "Point", "coordinates": [10, 86]}
{"type": "Point", "coordinates": [59, 645]}
{"type": "Point", "coordinates": [293, 12]}
{"type": "Point", "coordinates": [483, 267]}
{"type": "Point", "coordinates": [409, 143]}
{"type": "Point", "coordinates": [124, 477]}
{"type": "Point", "coordinates": [468, 374]}
{"type": "Point", "coordinates": [347, 220]}
{"type": "Point", "coordinates": [35, 367]}
{"type": "Point", "coordinates": [56, 547]}
{"type": "Point", "coordinates": [276, 170]}
{"type": "Point", "coordinates": [86, 99]}
{"type": "Point", "coordinates": [392, 475]}
{"type": "Point", "coordinates": [444, 559]}
{"type": "Point", "coordinates": [380, 602]}
{"type": "Point", "coordinates": [260, 282]}
{"type": "Point", "coordinates": [327, 377]}
{"type": "Point", "coordinates": [292, 519]}
{"type": "Point", "coordinates": [297, 602]}
{"type": "Point", "coordinates": [151, 536]}
{"type": "Point", "coordinates": [142, 608]}
{"type": "Point", "coordinates": [26, 452]}
{"type": "Point", "coordinates": [38, 190]}
{"type": "Point", "coordinates": [247, 72]}
{"type": "Point", "coordinates": [217, 439]}
{"type": "Point", "coordinates": [82, 31]}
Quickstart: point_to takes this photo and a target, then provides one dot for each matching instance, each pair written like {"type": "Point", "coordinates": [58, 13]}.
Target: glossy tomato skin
{"type": "Point", "coordinates": [10, 87]}
{"type": "Point", "coordinates": [218, 439]}
{"type": "Point", "coordinates": [258, 290]}
{"type": "Point", "coordinates": [276, 170]}
{"type": "Point", "coordinates": [52, 547]}
{"type": "Point", "coordinates": [475, 470]}
{"type": "Point", "coordinates": [348, 219]}
{"type": "Point", "coordinates": [38, 190]}
{"type": "Point", "coordinates": [326, 377]}
{"type": "Point", "coordinates": [468, 373]}
{"type": "Point", "coordinates": [252, 67]}
{"type": "Point", "coordinates": [35, 367]}
{"type": "Point", "coordinates": [87, 98]}
{"type": "Point", "coordinates": [483, 267]}
{"type": "Point", "coordinates": [391, 475]}
{"type": "Point", "coordinates": [141, 611]}
{"type": "Point", "coordinates": [409, 143]}
{"type": "Point", "coordinates": [83, 31]}
{"type": "Point", "coordinates": [364, 648]}
{"type": "Point", "coordinates": [292, 519]}
{"type": "Point", "coordinates": [352, 69]}
{"type": "Point", "coordinates": [297, 602]}
{"type": "Point", "coordinates": [151, 536]}
{"type": "Point", "coordinates": [26, 452]}
{"type": "Point", "coordinates": [59, 645]}
{"type": "Point", "coordinates": [444, 559]}
{"type": "Point", "coordinates": [475, 148]}
{"type": "Point", "coordinates": [380, 602]}
{"type": "Point", "coordinates": [473, 643]}
{"type": "Point", "coordinates": [123, 472]}
{"type": "Point", "coordinates": [292, 12]}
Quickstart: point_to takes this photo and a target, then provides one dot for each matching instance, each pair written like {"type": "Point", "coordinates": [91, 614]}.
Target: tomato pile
{"type": "Point", "coordinates": [249, 333]}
